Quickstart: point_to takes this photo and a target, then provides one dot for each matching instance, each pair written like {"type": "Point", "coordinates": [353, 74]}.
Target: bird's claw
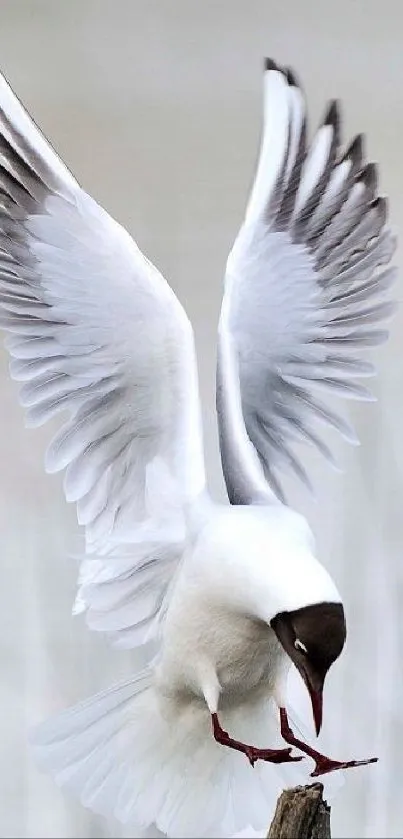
{"type": "Point", "coordinates": [324, 765]}
{"type": "Point", "coordinates": [272, 755]}
{"type": "Point", "coordinates": [253, 753]}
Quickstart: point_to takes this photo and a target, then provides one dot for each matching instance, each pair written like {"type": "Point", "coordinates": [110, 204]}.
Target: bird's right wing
{"type": "Point", "coordinates": [95, 331]}
{"type": "Point", "coordinates": [306, 290]}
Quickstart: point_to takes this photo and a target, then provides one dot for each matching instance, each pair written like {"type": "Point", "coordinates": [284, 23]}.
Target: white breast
{"type": "Point", "coordinates": [246, 566]}
{"type": "Point", "coordinates": [207, 628]}
{"type": "Point", "coordinates": [243, 652]}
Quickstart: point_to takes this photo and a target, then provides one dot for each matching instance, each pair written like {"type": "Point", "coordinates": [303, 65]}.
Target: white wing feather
{"type": "Point", "coordinates": [304, 292]}
{"type": "Point", "coordinates": [97, 332]}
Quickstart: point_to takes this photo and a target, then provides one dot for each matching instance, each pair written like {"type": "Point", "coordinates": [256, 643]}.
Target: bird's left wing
{"type": "Point", "coordinates": [305, 291]}
{"type": "Point", "coordinates": [95, 331]}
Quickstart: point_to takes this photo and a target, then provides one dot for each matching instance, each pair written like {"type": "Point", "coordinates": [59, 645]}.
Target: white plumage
{"type": "Point", "coordinates": [96, 331]}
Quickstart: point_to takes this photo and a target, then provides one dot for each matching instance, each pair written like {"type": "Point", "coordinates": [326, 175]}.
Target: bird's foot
{"type": "Point", "coordinates": [271, 755]}
{"type": "Point", "coordinates": [323, 764]}
{"type": "Point", "coordinates": [252, 752]}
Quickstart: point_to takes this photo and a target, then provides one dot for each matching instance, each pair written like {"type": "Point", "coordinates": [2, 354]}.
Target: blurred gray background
{"type": "Point", "coordinates": [156, 108]}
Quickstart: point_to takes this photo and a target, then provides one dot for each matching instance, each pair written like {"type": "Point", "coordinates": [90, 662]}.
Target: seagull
{"type": "Point", "coordinates": [222, 599]}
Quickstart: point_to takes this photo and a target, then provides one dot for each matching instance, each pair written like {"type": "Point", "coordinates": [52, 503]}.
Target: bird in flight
{"type": "Point", "coordinates": [222, 598]}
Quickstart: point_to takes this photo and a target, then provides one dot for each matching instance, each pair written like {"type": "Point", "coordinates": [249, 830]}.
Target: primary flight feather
{"type": "Point", "coordinates": [230, 596]}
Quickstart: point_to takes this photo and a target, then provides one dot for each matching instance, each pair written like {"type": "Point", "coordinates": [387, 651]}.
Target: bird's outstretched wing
{"type": "Point", "coordinates": [306, 289]}
{"type": "Point", "coordinates": [95, 330]}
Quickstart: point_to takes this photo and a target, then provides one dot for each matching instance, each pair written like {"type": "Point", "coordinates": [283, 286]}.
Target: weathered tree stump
{"type": "Point", "coordinates": [301, 813]}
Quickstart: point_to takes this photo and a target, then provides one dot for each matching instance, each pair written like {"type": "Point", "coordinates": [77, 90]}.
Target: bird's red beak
{"type": "Point", "coordinates": [314, 684]}
{"type": "Point", "coordinates": [317, 705]}
{"type": "Point", "coordinates": [313, 679]}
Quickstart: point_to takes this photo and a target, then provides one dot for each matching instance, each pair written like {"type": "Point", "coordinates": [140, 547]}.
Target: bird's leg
{"type": "Point", "coordinates": [323, 764]}
{"type": "Point", "coordinates": [252, 752]}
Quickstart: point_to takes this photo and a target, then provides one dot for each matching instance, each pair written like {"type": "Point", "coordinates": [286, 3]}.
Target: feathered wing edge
{"type": "Point", "coordinates": [56, 248]}
{"type": "Point", "coordinates": [316, 209]}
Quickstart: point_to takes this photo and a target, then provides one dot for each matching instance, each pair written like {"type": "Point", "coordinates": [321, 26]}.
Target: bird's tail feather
{"type": "Point", "coordinates": [128, 753]}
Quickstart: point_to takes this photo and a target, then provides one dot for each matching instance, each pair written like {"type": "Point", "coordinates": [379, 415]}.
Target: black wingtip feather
{"type": "Point", "coordinates": [381, 204]}
{"type": "Point", "coordinates": [291, 77]}
{"type": "Point", "coordinates": [288, 73]}
{"type": "Point", "coordinates": [355, 151]}
{"type": "Point", "coordinates": [269, 64]}
{"type": "Point", "coordinates": [369, 176]}
{"type": "Point", "coordinates": [332, 116]}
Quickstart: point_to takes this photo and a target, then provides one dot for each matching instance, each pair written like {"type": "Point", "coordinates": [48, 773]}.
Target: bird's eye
{"type": "Point", "coordinates": [300, 646]}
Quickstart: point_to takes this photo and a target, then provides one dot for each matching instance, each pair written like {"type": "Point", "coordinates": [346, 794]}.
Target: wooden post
{"type": "Point", "coordinates": [301, 813]}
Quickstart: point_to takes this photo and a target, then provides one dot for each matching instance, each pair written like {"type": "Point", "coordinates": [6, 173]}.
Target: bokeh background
{"type": "Point", "coordinates": [156, 108]}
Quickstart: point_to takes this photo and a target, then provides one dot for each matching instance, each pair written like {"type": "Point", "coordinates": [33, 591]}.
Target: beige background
{"type": "Point", "coordinates": [156, 108]}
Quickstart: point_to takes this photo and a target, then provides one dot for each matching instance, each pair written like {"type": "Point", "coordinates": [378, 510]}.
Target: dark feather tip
{"type": "Point", "coordinates": [291, 77]}
{"type": "Point", "coordinates": [369, 176]}
{"type": "Point", "coordinates": [269, 64]}
{"type": "Point", "coordinates": [332, 116]}
{"type": "Point", "coordinates": [380, 203]}
{"type": "Point", "coordinates": [355, 151]}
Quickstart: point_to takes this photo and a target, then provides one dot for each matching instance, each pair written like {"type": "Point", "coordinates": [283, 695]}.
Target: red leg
{"type": "Point", "coordinates": [252, 753]}
{"type": "Point", "coordinates": [323, 764]}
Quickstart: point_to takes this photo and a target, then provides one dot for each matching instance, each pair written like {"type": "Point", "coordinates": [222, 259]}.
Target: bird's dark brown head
{"type": "Point", "coordinates": [313, 637]}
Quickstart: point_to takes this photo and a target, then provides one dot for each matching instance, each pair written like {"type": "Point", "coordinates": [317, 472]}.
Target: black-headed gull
{"type": "Point", "coordinates": [226, 598]}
